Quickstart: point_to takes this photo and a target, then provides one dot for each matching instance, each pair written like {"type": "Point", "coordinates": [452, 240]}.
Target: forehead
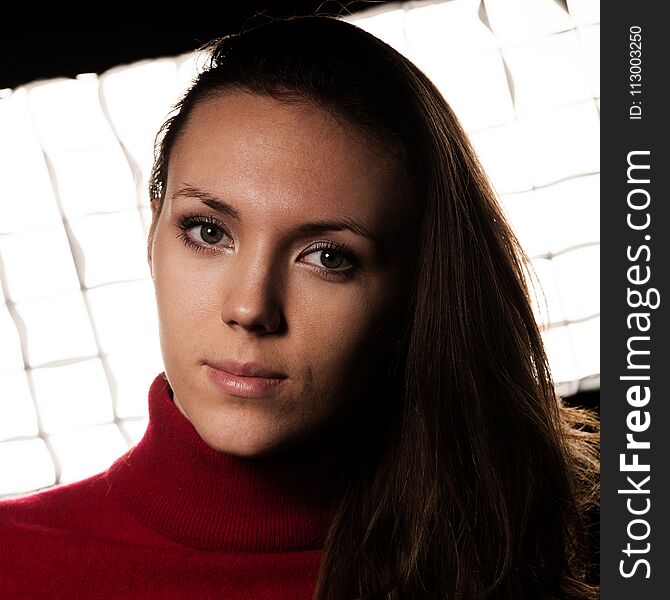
{"type": "Point", "coordinates": [286, 159]}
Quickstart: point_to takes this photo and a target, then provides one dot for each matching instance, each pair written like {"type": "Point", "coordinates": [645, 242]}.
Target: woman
{"type": "Point", "coordinates": [356, 402]}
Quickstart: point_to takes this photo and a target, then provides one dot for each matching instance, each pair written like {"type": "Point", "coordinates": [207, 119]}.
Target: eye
{"type": "Point", "coordinates": [331, 259]}
{"type": "Point", "coordinates": [210, 234]}
{"type": "Point", "coordinates": [202, 233]}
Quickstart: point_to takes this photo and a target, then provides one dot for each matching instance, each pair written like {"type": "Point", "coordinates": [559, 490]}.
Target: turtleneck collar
{"type": "Point", "coordinates": [175, 483]}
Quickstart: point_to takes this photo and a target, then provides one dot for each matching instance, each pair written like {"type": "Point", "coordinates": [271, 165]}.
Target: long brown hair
{"type": "Point", "coordinates": [477, 478]}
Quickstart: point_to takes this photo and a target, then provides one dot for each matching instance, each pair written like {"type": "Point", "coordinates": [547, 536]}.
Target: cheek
{"type": "Point", "coordinates": [338, 334]}
{"type": "Point", "coordinates": [181, 290]}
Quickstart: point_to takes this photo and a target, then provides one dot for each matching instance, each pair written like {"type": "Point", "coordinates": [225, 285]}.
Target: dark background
{"type": "Point", "coordinates": [38, 44]}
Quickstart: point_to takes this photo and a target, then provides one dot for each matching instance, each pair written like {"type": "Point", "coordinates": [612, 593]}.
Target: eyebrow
{"type": "Point", "coordinates": [315, 227]}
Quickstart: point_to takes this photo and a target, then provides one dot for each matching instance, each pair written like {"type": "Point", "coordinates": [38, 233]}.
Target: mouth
{"type": "Point", "coordinates": [245, 380]}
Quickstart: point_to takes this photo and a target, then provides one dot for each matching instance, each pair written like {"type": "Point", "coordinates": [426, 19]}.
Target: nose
{"type": "Point", "coordinates": [251, 296]}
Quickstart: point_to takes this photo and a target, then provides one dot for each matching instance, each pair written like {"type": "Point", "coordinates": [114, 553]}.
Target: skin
{"type": "Point", "coordinates": [256, 292]}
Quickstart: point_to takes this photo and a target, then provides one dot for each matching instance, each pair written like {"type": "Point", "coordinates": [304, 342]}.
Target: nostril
{"type": "Point", "coordinates": [263, 322]}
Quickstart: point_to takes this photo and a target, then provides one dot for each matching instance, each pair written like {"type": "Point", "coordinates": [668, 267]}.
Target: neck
{"type": "Point", "coordinates": [181, 487]}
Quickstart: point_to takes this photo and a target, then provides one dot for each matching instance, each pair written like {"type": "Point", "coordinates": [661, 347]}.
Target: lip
{"type": "Point", "coordinates": [245, 369]}
{"type": "Point", "coordinates": [247, 380]}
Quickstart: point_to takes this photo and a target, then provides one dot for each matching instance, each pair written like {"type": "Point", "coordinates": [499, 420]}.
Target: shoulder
{"type": "Point", "coordinates": [42, 533]}
{"type": "Point", "coordinates": [62, 505]}
{"type": "Point", "coordinates": [76, 510]}
{"type": "Point", "coordinates": [85, 512]}
{"type": "Point", "coordinates": [51, 508]}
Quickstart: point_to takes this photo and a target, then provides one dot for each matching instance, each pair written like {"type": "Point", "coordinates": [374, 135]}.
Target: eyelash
{"type": "Point", "coordinates": [188, 222]}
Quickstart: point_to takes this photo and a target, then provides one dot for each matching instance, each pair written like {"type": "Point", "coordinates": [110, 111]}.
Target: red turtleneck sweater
{"type": "Point", "coordinates": [174, 518]}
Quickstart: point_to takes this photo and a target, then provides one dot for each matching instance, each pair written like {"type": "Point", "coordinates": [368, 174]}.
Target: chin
{"type": "Point", "coordinates": [250, 448]}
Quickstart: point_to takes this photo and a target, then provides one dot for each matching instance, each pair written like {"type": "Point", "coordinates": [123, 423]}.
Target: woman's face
{"type": "Point", "coordinates": [284, 241]}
